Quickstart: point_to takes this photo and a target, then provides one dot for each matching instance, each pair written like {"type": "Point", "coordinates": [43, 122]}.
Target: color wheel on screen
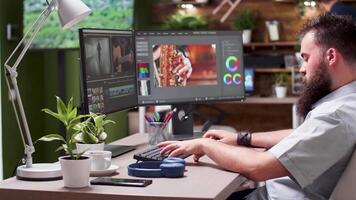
{"type": "Point", "coordinates": [232, 64]}
{"type": "Point", "coordinates": [229, 79]}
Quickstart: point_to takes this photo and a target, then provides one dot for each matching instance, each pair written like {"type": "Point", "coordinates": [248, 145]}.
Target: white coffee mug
{"type": "Point", "coordinates": [101, 160]}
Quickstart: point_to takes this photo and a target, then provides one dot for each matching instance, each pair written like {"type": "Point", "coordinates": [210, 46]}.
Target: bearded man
{"type": "Point", "coordinates": [307, 162]}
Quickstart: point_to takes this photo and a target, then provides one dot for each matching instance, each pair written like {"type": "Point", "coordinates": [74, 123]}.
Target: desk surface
{"type": "Point", "coordinates": [203, 180]}
{"type": "Point", "coordinates": [271, 100]}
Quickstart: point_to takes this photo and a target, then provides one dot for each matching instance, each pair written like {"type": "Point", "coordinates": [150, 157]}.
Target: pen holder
{"type": "Point", "coordinates": [157, 132]}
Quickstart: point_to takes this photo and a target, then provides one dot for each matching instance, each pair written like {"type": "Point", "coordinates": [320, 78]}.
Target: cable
{"type": "Point", "coordinates": [22, 161]}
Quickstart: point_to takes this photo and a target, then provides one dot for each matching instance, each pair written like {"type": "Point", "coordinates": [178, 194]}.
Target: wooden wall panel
{"type": "Point", "coordinates": [286, 13]}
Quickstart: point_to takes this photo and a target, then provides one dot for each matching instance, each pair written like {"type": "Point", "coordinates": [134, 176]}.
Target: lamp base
{"type": "Point", "coordinates": [39, 172]}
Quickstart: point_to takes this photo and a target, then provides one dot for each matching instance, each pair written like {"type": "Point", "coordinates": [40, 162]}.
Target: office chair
{"type": "Point", "coordinates": [345, 189]}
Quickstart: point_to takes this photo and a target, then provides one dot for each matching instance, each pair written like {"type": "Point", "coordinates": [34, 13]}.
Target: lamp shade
{"type": "Point", "coordinates": [71, 12]}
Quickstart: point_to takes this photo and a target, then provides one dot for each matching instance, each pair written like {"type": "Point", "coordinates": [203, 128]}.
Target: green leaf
{"type": "Point", "coordinates": [70, 105]}
{"type": "Point", "coordinates": [79, 117]}
{"type": "Point", "coordinates": [61, 108]}
{"type": "Point", "coordinates": [52, 137]}
{"type": "Point", "coordinates": [72, 114]}
{"type": "Point", "coordinates": [79, 155]}
{"type": "Point", "coordinates": [89, 138]}
{"type": "Point", "coordinates": [55, 115]}
{"type": "Point", "coordinates": [94, 139]}
{"type": "Point", "coordinates": [91, 128]}
{"type": "Point", "coordinates": [59, 148]}
{"type": "Point", "coordinates": [79, 126]}
{"type": "Point", "coordinates": [69, 151]}
{"type": "Point", "coordinates": [108, 122]}
{"type": "Point", "coordinates": [98, 120]}
{"type": "Point", "coordinates": [72, 138]}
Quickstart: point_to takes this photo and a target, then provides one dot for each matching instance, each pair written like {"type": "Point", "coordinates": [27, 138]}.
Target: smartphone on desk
{"type": "Point", "coordinates": [121, 182]}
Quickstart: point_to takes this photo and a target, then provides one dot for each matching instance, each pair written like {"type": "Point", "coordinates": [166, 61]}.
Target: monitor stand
{"type": "Point", "coordinates": [182, 123]}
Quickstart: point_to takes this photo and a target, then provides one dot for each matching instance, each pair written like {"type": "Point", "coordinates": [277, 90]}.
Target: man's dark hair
{"type": "Point", "coordinates": [333, 31]}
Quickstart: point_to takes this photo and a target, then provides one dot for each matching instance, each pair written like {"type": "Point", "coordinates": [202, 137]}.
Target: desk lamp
{"type": "Point", "coordinates": [70, 12]}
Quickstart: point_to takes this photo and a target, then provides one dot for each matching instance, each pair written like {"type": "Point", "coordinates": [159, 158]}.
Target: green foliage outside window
{"type": "Point", "coordinates": [113, 14]}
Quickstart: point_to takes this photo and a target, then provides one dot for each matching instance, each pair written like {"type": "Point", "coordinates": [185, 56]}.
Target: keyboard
{"type": "Point", "coordinates": [152, 154]}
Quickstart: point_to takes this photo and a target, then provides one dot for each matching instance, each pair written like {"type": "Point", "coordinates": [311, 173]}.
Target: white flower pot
{"type": "Point", "coordinates": [75, 172]}
{"type": "Point", "coordinates": [281, 91]}
{"type": "Point", "coordinates": [246, 36]}
{"type": "Point", "coordinates": [89, 147]}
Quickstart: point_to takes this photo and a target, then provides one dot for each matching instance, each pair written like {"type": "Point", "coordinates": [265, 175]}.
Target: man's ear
{"type": "Point", "coordinates": [332, 56]}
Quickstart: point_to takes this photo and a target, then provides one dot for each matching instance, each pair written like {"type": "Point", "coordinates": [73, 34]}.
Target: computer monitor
{"type": "Point", "coordinates": [108, 70]}
{"type": "Point", "coordinates": [186, 67]}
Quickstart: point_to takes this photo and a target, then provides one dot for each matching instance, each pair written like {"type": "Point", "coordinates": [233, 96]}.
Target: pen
{"type": "Point", "coordinates": [148, 119]}
{"type": "Point", "coordinates": [169, 115]}
{"type": "Point", "coordinates": [156, 116]}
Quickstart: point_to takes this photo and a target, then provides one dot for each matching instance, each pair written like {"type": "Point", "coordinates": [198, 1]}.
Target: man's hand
{"type": "Point", "coordinates": [182, 67]}
{"type": "Point", "coordinates": [222, 136]}
{"type": "Point", "coordinates": [188, 147]}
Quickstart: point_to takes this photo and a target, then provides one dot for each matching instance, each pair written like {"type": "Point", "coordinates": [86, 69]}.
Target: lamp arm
{"type": "Point", "coordinates": [11, 80]}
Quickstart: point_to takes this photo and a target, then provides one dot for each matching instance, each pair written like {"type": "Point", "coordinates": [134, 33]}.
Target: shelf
{"type": "Point", "coordinates": [273, 70]}
{"type": "Point", "coordinates": [271, 100]}
{"type": "Point", "coordinates": [273, 45]}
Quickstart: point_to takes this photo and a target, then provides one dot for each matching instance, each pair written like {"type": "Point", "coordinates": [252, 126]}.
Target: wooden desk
{"type": "Point", "coordinates": [203, 180]}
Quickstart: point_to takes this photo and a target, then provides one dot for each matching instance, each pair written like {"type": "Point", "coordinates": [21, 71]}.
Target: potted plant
{"type": "Point", "coordinates": [280, 84]}
{"type": "Point", "coordinates": [245, 21]}
{"type": "Point", "coordinates": [90, 134]}
{"type": "Point", "coordinates": [75, 167]}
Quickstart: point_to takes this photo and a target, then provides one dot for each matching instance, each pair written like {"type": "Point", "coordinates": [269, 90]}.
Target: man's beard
{"type": "Point", "coordinates": [316, 88]}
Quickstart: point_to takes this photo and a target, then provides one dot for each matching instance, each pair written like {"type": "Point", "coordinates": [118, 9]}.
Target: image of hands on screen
{"type": "Point", "coordinates": [183, 65]}
{"type": "Point", "coordinates": [122, 54]}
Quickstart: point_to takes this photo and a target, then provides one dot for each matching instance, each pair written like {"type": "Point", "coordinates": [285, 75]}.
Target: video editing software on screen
{"type": "Point", "coordinates": [188, 66]}
{"type": "Point", "coordinates": [108, 70]}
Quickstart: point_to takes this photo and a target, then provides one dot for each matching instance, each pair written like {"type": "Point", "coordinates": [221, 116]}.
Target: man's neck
{"type": "Point", "coordinates": [346, 75]}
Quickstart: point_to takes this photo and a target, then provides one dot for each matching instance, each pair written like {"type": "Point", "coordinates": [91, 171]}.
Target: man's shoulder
{"type": "Point", "coordinates": [342, 105]}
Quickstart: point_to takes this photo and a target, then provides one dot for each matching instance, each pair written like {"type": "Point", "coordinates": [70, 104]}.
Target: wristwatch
{"type": "Point", "coordinates": [244, 139]}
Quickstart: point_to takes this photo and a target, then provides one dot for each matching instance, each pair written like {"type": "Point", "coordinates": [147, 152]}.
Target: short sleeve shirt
{"type": "Point", "coordinates": [317, 152]}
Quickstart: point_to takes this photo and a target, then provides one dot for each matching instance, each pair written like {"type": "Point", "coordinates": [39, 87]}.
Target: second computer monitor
{"type": "Point", "coordinates": [176, 67]}
{"type": "Point", "coordinates": [108, 70]}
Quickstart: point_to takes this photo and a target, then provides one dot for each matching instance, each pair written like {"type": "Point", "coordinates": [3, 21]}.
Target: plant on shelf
{"type": "Point", "coordinates": [245, 21]}
{"type": "Point", "coordinates": [280, 84]}
{"type": "Point", "coordinates": [91, 131]}
{"type": "Point", "coordinates": [182, 21]}
{"type": "Point", "coordinates": [281, 79]}
{"type": "Point", "coordinates": [75, 167]}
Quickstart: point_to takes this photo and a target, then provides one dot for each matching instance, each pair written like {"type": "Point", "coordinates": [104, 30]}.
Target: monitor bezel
{"type": "Point", "coordinates": [83, 81]}
{"type": "Point", "coordinates": [242, 98]}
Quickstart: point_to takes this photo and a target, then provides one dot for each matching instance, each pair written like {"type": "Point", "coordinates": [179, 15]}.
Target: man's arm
{"type": "Point", "coordinates": [255, 165]}
{"type": "Point", "coordinates": [259, 139]}
{"type": "Point", "coordinates": [269, 139]}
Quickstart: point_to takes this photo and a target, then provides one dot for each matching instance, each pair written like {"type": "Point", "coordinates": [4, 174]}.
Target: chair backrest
{"type": "Point", "coordinates": [345, 187]}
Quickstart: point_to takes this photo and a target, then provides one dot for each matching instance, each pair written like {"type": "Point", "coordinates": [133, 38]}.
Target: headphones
{"type": "Point", "coordinates": [170, 167]}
